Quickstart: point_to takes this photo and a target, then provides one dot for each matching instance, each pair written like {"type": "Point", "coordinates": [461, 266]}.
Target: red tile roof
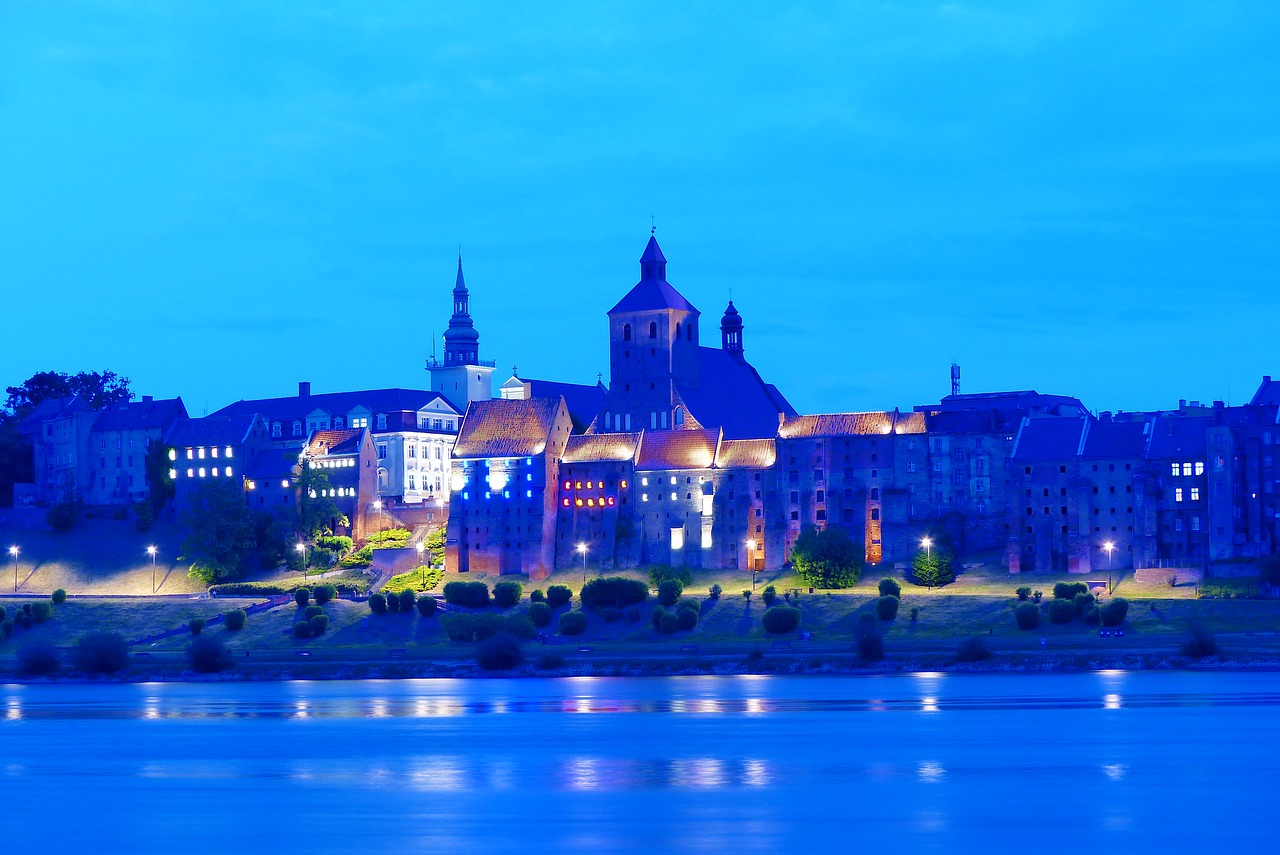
{"type": "Point", "coordinates": [746, 454]}
{"type": "Point", "coordinates": [324, 442]}
{"type": "Point", "coordinates": [598, 447]}
{"type": "Point", "coordinates": [503, 428]}
{"type": "Point", "coordinates": [677, 449]}
{"type": "Point", "coordinates": [837, 424]}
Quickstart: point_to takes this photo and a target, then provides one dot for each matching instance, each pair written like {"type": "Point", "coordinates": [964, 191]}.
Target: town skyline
{"type": "Point", "coordinates": [1079, 200]}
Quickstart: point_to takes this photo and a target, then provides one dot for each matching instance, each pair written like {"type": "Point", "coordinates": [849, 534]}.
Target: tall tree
{"type": "Point", "coordinates": [316, 510]}
{"type": "Point", "coordinates": [220, 531]}
{"type": "Point", "coordinates": [98, 389]}
{"type": "Point", "coordinates": [829, 558]}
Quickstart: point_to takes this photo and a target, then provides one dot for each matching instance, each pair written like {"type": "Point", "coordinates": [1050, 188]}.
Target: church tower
{"type": "Point", "coordinates": [462, 377]}
{"type": "Point", "coordinates": [653, 348]}
{"type": "Point", "coordinates": [731, 332]}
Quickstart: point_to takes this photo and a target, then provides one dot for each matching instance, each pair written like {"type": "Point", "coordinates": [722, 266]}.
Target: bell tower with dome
{"type": "Point", "coordinates": [462, 377]}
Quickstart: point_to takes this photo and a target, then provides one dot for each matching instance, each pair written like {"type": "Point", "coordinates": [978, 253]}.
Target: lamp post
{"type": "Point", "coordinates": [1109, 546]}
{"type": "Point", "coordinates": [151, 550]}
{"type": "Point", "coordinates": [927, 543]}
{"type": "Point", "coordinates": [422, 568]}
{"type": "Point", "coordinates": [13, 556]}
{"type": "Point", "coordinates": [377, 506]}
{"type": "Point", "coordinates": [582, 547]}
{"type": "Point", "coordinates": [302, 553]}
{"type": "Point", "coordinates": [751, 564]}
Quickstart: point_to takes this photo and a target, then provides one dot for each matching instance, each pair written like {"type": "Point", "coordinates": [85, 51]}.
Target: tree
{"type": "Point", "coordinates": [157, 462]}
{"type": "Point", "coordinates": [219, 531]}
{"type": "Point", "coordinates": [316, 511]}
{"type": "Point", "coordinates": [933, 568]}
{"type": "Point", "coordinates": [829, 558]}
{"type": "Point", "coordinates": [96, 389]}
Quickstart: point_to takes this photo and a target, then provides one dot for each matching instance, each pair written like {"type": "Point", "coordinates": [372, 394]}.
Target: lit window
{"type": "Point", "coordinates": [1173, 469]}
{"type": "Point", "coordinates": [488, 494]}
{"type": "Point", "coordinates": [565, 503]}
{"type": "Point", "coordinates": [623, 484]}
{"type": "Point", "coordinates": [506, 494]}
{"type": "Point", "coordinates": [1177, 494]}
{"type": "Point", "coordinates": [200, 453]}
{"type": "Point", "coordinates": [578, 502]}
{"type": "Point", "coordinates": [1186, 469]}
{"type": "Point", "coordinates": [673, 497]}
{"type": "Point", "coordinates": [611, 501]}
{"type": "Point", "coordinates": [589, 485]}
{"type": "Point", "coordinates": [677, 538]}
{"type": "Point", "coordinates": [673, 479]}
{"type": "Point", "coordinates": [229, 451]}
{"type": "Point", "coordinates": [284, 485]}
{"type": "Point", "coordinates": [528, 494]}
{"type": "Point", "coordinates": [214, 472]}
{"type": "Point", "coordinates": [214, 451]}
{"type": "Point", "coordinates": [591, 503]}
{"type": "Point", "coordinates": [173, 473]}
{"type": "Point", "coordinates": [251, 485]}
{"type": "Point", "coordinates": [1195, 494]}
{"type": "Point", "coordinates": [644, 482]}
{"type": "Point", "coordinates": [577, 485]}
{"type": "Point", "coordinates": [191, 473]}
{"type": "Point", "coordinates": [173, 454]}
{"type": "Point", "coordinates": [706, 538]}
{"type": "Point", "coordinates": [190, 454]}
{"type": "Point", "coordinates": [1199, 467]}
{"type": "Point", "coordinates": [644, 497]}
{"type": "Point", "coordinates": [201, 471]}
{"type": "Point", "coordinates": [568, 485]}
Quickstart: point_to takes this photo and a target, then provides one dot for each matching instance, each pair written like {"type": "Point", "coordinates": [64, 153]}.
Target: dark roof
{"type": "Point", "coordinates": [337, 403]}
{"type": "Point", "coordinates": [1178, 436]}
{"type": "Point", "coordinates": [583, 401]}
{"type": "Point", "coordinates": [141, 415]}
{"type": "Point", "coordinates": [1105, 439]}
{"type": "Point", "coordinates": [677, 449]}
{"type": "Point", "coordinates": [1268, 392]}
{"type": "Point", "coordinates": [210, 430]}
{"type": "Point", "coordinates": [51, 408]}
{"type": "Point", "coordinates": [330, 442]}
{"type": "Point", "coordinates": [731, 395]}
{"type": "Point", "coordinates": [272, 463]}
{"type": "Point", "coordinates": [653, 292]}
{"type": "Point", "coordinates": [1048, 439]}
{"type": "Point", "coordinates": [503, 428]}
{"type": "Point", "coordinates": [597, 447]}
{"type": "Point", "coordinates": [1014, 404]}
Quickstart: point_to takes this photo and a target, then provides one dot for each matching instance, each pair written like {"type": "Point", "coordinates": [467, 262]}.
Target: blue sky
{"type": "Point", "coordinates": [221, 200]}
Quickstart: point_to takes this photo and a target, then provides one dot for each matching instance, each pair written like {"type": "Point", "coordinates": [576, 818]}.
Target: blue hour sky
{"type": "Point", "coordinates": [220, 200]}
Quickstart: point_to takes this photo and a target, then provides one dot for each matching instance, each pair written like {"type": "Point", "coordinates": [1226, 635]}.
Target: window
{"type": "Point", "coordinates": [382, 451]}
{"type": "Point", "coordinates": [653, 333]}
{"type": "Point", "coordinates": [677, 537]}
{"type": "Point", "coordinates": [382, 421]}
{"type": "Point", "coordinates": [626, 332]}
{"type": "Point", "coordinates": [275, 430]}
{"type": "Point", "coordinates": [1177, 525]}
{"type": "Point", "coordinates": [297, 428]}
{"type": "Point", "coordinates": [875, 513]}
{"type": "Point", "coordinates": [1173, 469]}
{"type": "Point", "coordinates": [1177, 494]}
{"type": "Point", "coordinates": [679, 418]}
{"type": "Point", "coordinates": [362, 422]}
{"type": "Point", "coordinates": [1195, 523]}
{"type": "Point", "coordinates": [875, 492]}
{"type": "Point", "coordinates": [1195, 494]}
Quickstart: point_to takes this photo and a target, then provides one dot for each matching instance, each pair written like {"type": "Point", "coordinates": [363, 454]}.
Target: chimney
{"type": "Point", "coordinates": [304, 389]}
{"type": "Point", "coordinates": [147, 399]}
{"type": "Point", "coordinates": [1182, 403]}
{"type": "Point", "coordinates": [1266, 378]}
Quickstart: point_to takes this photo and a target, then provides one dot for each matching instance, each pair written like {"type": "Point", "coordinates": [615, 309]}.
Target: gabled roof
{"type": "Point", "coordinates": [583, 401]}
{"type": "Point", "coordinates": [334, 442]}
{"type": "Point", "coordinates": [337, 403]}
{"type": "Point", "coordinates": [505, 428]}
{"type": "Point", "coordinates": [597, 447]}
{"type": "Point", "coordinates": [1106, 439]}
{"type": "Point", "coordinates": [677, 449]}
{"type": "Point", "coordinates": [1268, 392]}
{"type": "Point", "coordinates": [731, 395]}
{"type": "Point", "coordinates": [1013, 404]}
{"type": "Point", "coordinates": [746, 454]}
{"type": "Point", "coordinates": [211, 430]}
{"type": "Point", "coordinates": [879, 422]}
{"type": "Point", "coordinates": [51, 408]}
{"type": "Point", "coordinates": [1049, 438]}
{"type": "Point", "coordinates": [141, 415]}
{"type": "Point", "coordinates": [1178, 436]}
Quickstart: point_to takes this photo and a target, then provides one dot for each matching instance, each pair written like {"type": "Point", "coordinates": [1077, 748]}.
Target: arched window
{"type": "Point", "coordinates": [653, 329]}
{"type": "Point", "coordinates": [679, 417]}
{"type": "Point", "coordinates": [626, 332]}
{"type": "Point", "coordinates": [608, 420]}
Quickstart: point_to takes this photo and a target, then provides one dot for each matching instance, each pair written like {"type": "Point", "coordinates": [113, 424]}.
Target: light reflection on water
{"type": "Point", "coordinates": [615, 764]}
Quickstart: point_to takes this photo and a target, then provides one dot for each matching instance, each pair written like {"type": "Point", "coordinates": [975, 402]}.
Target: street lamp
{"type": "Point", "coordinates": [13, 555]}
{"type": "Point", "coordinates": [302, 553]}
{"type": "Point", "coordinates": [151, 550]}
{"type": "Point", "coordinates": [927, 543]}
{"type": "Point", "coordinates": [422, 567]}
{"type": "Point", "coordinates": [377, 506]}
{"type": "Point", "coordinates": [582, 547]}
{"type": "Point", "coordinates": [751, 551]}
{"type": "Point", "coordinates": [1109, 546]}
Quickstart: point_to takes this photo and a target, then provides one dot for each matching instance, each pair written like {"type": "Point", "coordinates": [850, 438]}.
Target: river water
{"type": "Point", "coordinates": [1111, 761]}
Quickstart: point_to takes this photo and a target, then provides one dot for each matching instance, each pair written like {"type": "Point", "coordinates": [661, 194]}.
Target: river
{"type": "Point", "coordinates": [1109, 761]}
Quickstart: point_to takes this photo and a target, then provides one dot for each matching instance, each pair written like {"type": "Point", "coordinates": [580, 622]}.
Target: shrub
{"type": "Point", "coordinates": [335, 542]}
{"type": "Point", "coordinates": [1082, 602]}
{"type": "Point", "coordinates": [1114, 612]}
{"type": "Point", "coordinates": [426, 605]}
{"type": "Point", "coordinates": [302, 596]}
{"type": "Point", "coordinates": [973, 649]}
{"type": "Point", "coordinates": [101, 653]}
{"type": "Point", "coordinates": [1062, 611]}
{"type": "Point", "coordinates": [64, 515]}
{"type": "Point", "coordinates": [658, 575]}
{"type": "Point", "coordinates": [1173, 580]}
{"type": "Point", "coordinates": [536, 596]}
{"type": "Point", "coordinates": [1024, 593]}
{"type": "Point", "coordinates": [6, 627]}
{"type": "Point", "coordinates": [59, 597]}
{"type": "Point", "coordinates": [325, 593]}
{"type": "Point", "coordinates": [390, 538]}
{"type": "Point", "coordinates": [1068, 590]}
{"type": "Point", "coordinates": [470, 594]}
{"type": "Point", "coordinates": [235, 620]}
{"type": "Point", "coordinates": [769, 595]}
{"type": "Point", "coordinates": [687, 618]}
{"type": "Point", "coordinates": [1027, 615]}
{"type": "Point", "coordinates": [144, 515]}
{"type": "Point", "coordinates": [478, 627]}
{"type": "Point", "coordinates": [23, 619]}
{"type": "Point", "coordinates": [196, 625]}
{"type": "Point", "coordinates": [38, 658]}
{"type": "Point", "coordinates": [716, 591]}
{"type": "Point", "coordinates": [41, 611]}
{"type": "Point", "coordinates": [668, 622]}
{"type": "Point", "coordinates": [1200, 643]}
{"type": "Point", "coordinates": [614, 591]}
{"type": "Point", "coordinates": [867, 638]}
{"type": "Point", "coordinates": [558, 595]}
{"type": "Point", "coordinates": [378, 604]}
{"type": "Point", "coordinates": [312, 611]}
{"type": "Point", "coordinates": [500, 652]}
{"type": "Point", "coordinates": [609, 614]}
{"type": "Point", "coordinates": [827, 559]}
{"type": "Point", "coordinates": [539, 613]}
{"type": "Point", "coordinates": [1036, 595]}
{"type": "Point", "coordinates": [318, 624]}
{"type": "Point", "coordinates": [573, 623]}
{"type": "Point", "coordinates": [780, 619]}
{"type": "Point", "coordinates": [890, 588]}
{"type": "Point", "coordinates": [393, 601]}
{"type": "Point", "coordinates": [887, 607]}
{"type": "Point", "coordinates": [302, 629]}
{"type": "Point", "coordinates": [362, 557]}
{"type": "Point", "coordinates": [407, 600]}
{"type": "Point", "coordinates": [655, 616]}
{"type": "Point", "coordinates": [206, 654]}
{"type": "Point", "coordinates": [669, 590]}
{"type": "Point", "coordinates": [507, 594]}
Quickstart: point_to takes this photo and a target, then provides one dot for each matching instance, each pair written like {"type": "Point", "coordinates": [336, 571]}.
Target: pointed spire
{"type": "Point", "coordinates": [653, 264]}
{"type": "Point", "coordinates": [460, 285]}
{"type": "Point", "coordinates": [731, 331]}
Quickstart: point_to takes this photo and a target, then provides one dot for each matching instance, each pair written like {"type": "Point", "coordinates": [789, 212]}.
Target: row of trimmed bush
{"type": "Point", "coordinates": [1061, 611]}
{"type": "Point", "coordinates": [405, 601]}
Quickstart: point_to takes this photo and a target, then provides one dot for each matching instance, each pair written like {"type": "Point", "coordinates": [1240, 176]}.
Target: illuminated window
{"type": "Point", "coordinates": [1173, 469]}
{"type": "Point", "coordinates": [229, 451]}
{"type": "Point", "coordinates": [568, 485]}
{"type": "Point", "coordinates": [1186, 469]}
{"type": "Point", "coordinates": [251, 485]}
{"type": "Point", "coordinates": [673, 479]}
{"type": "Point", "coordinates": [577, 485]}
{"type": "Point", "coordinates": [284, 485]}
{"type": "Point", "coordinates": [227, 472]}
{"type": "Point", "coordinates": [644, 497]}
{"type": "Point", "coordinates": [578, 502]}
{"type": "Point", "coordinates": [173, 454]}
{"type": "Point", "coordinates": [565, 503]}
{"type": "Point", "coordinates": [588, 485]}
{"type": "Point", "coordinates": [173, 473]}
{"type": "Point", "coordinates": [1177, 494]}
{"type": "Point", "coordinates": [1199, 467]}
{"type": "Point", "coordinates": [190, 454]}
{"type": "Point", "coordinates": [191, 473]}
{"type": "Point", "coordinates": [677, 538]}
{"type": "Point", "coordinates": [673, 497]}
{"type": "Point", "coordinates": [528, 494]}
{"type": "Point", "coordinates": [611, 501]}
{"type": "Point", "coordinates": [591, 503]}
{"type": "Point", "coordinates": [1195, 494]}
{"type": "Point", "coordinates": [506, 494]}
{"type": "Point", "coordinates": [201, 471]}
{"type": "Point", "coordinates": [214, 451]}
{"type": "Point", "coordinates": [200, 453]}
{"type": "Point", "coordinates": [706, 538]}
{"type": "Point", "coordinates": [623, 484]}
{"type": "Point", "coordinates": [528, 477]}
{"type": "Point", "coordinates": [644, 482]}
{"type": "Point", "coordinates": [488, 494]}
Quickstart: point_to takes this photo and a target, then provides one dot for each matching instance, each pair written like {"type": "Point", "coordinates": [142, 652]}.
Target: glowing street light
{"type": "Point", "coordinates": [422, 567]}
{"type": "Point", "coordinates": [751, 551]}
{"type": "Point", "coordinates": [582, 548]}
{"type": "Point", "coordinates": [151, 550]}
{"type": "Point", "coordinates": [927, 543]}
{"type": "Point", "coordinates": [1109, 546]}
{"type": "Point", "coordinates": [302, 553]}
{"type": "Point", "coordinates": [377, 506]}
{"type": "Point", "coordinates": [13, 556]}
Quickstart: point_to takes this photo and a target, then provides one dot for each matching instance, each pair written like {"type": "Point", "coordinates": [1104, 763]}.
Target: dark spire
{"type": "Point", "coordinates": [653, 264]}
{"type": "Point", "coordinates": [461, 341]}
{"type": "Point", "coordinates": [731, 331]}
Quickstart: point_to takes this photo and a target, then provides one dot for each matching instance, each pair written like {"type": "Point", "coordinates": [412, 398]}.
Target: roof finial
{"type": "Point", "coordinates": [515, 372]}
{"type": "Point", "coordinates": [653, 226]}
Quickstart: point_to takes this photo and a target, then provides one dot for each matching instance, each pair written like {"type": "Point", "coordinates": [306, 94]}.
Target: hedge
{"type": "Point", "coordinates": [1027, 615]}
{"type": "Point", "coordinates": [507, 594]}
{"type": "Point", "coordinates": [613, 591]}
{"type": "Point", "coordinates": [471, 594]}
{"type": "Point", "coordinates": [477, 627]}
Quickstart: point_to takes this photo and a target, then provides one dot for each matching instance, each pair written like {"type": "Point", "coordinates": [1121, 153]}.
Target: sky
{"type": "Point", "coordinates": [220, 200]}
